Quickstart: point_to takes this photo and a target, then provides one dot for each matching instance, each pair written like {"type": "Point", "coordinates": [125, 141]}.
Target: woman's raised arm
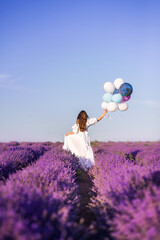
{"type": "Point", "coordinates": [104, 113]}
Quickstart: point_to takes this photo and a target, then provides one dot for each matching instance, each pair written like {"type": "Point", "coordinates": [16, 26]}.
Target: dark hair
{"type": "Point", "coordinates": [81, 120]}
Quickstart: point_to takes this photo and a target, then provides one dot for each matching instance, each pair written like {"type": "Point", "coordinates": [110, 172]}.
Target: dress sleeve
{"type": "Point", "coordinates": [75, 128]}
{"type": "Point", "coordinates": [91, 121]}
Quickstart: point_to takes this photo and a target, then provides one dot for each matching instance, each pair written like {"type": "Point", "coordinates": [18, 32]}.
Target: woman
{"type": "Point", "coordinates": [78, 141]}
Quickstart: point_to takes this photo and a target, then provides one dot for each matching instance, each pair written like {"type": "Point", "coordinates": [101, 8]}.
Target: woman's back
{"type": "Point", "coordinates": [76, 127]}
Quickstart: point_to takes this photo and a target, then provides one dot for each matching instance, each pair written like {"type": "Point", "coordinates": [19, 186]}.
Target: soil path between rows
{"type": "Point", "coordinates": [85, 215]}
{"type": "Point", "coordinates": [85, 184]}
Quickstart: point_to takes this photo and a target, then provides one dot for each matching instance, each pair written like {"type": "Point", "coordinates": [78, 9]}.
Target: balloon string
{"type": "Point", "coordinates": [109, 116]}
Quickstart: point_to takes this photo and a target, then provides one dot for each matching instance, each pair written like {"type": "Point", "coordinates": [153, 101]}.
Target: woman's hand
{"type": "Point", "coordinates": [70, 133]}
{"type": "Point", "coordinates": [104, 113]}
{"type": "Point", "coordinates": [67, 134]}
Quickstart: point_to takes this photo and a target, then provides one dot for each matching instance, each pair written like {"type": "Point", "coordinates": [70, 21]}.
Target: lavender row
{"type": "Point", "coordinates": [4, 147]}
{"type": "Point", "coordinates": [127, 202]}
{"type": "Point", "coordinates": [18, 157]}
{"type": "Point", "coordinates": [39, 202]}
{"type": "Point", "coordinates": [141, 153]}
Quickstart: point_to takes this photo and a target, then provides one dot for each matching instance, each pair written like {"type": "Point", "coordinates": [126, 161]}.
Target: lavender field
{"type": "Point", "coordinates": [44, 194]}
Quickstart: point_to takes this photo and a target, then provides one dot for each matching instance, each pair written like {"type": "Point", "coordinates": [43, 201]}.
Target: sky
{"type": "Point", "coordinates": [55, 57]}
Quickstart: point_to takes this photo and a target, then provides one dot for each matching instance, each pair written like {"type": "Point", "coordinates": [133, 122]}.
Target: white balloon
{"type": "Point", "coordinates": [109, 87]}
{"type": "Point", "coordinates": [104, 105]}
{"type": "Point", "coordinates": [112, 107]}
{"type": "Point", "coordinates": [122, 106]}
{"type": "Point", "coordinates": [118, 82]}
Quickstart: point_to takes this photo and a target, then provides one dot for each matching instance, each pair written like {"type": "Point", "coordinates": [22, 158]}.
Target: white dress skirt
{"type": "Point", "coordinates": [79, 144]}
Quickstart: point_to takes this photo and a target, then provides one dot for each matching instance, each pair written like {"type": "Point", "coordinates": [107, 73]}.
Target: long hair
{"type": "Point", "coordinates": [81, 120]}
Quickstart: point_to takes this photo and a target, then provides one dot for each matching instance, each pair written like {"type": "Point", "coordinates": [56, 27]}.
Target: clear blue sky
{"type": "Point", "coordinates": [55, 57]}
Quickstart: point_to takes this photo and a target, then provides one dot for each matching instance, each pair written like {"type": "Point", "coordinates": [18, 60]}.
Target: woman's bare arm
{"type": "Point", "coordinates": [70, 133]}
{"type": "Point", "coordinates": [104, 113]}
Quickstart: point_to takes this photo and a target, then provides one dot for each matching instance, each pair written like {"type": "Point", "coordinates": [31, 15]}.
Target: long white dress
{"type": "Point", "coordinates": [79, 144]}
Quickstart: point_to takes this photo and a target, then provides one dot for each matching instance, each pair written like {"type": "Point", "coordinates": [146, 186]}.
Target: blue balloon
{"type": "Point", "coordinates": [117, 98]}
{"type": "Point", "coordinates": [126, 89]}
{"type": "Point", "coordinates": [107, 97]}
{"type": "Point", "coordinates": [116, 91]}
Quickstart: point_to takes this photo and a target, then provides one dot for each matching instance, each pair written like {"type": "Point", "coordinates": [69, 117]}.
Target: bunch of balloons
{"type": "Point", "coordinates": [116, 96]}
